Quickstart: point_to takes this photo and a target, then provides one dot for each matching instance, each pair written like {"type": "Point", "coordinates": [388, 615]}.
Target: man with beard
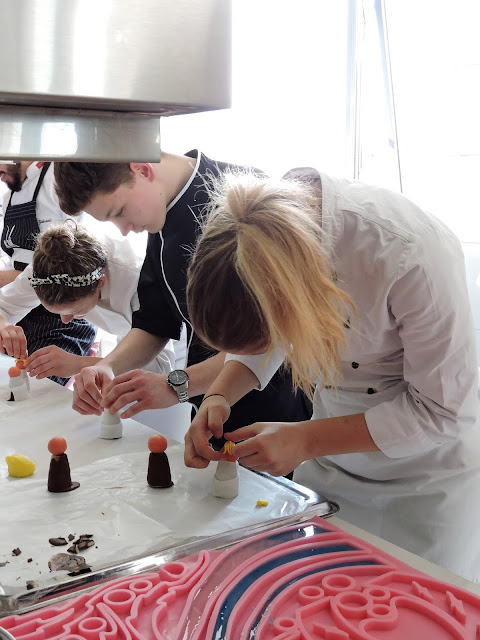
{"type": "Point", "coordinates": [10, 173]}
{"type": "Point", "coordinates": [30, 207]}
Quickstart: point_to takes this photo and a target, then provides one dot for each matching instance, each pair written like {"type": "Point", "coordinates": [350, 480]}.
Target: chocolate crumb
{"type": "Point", "coordinates": [73, 549]}
{"type": "Point", "coordinates": [71, 537]}
{"type": "Point", "coordinates": [57, 542]}
{"type": "Point", "coordinates": [85, 569]}
{"type": "Point", "coordinates": [85, 544]}
{"type": "Point", "coordinates": [29, 559]}
{"type": "Point", "coordinates": [32, 584]}
{"type": "Point", "coordinates": [3, 564]}
{"type": "Point", "coordinates": [16, 552]}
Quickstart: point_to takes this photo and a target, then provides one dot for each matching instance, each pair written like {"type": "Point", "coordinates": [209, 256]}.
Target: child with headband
{"type": "Point", "coordinates": [74, 275]}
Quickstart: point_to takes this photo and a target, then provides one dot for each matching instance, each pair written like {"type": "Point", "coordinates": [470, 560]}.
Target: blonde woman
{"type": "Point", "coordinates": [364, 296]}
{"type": "Point", "coordinates": [75, 275]}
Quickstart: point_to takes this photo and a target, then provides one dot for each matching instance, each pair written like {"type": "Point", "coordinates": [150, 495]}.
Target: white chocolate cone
{"type": "Point", "coordinates": [225, 481]}
{"type": "Point", "coordinates": [111, 427]}
{"type": "Point", "coordinates": [25, 377]}
{"type": "Point", "coordinates": [18, 388]}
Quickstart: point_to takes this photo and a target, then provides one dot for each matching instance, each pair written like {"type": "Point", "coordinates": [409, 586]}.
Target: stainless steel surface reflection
{"type": "Point", "coordinates": [59, 134]}
{"type": "Point", "coordinates": [148, 57]}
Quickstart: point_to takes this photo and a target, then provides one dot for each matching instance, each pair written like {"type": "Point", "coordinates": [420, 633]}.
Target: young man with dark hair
{"type": "Point", "coordinates": [169, 200]}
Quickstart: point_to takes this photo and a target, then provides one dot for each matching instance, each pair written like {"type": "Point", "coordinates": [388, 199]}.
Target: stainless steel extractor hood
{"type": "Point", "coordinates": [88, 80]}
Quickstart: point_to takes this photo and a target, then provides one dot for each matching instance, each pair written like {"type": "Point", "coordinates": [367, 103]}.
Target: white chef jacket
{"type": "Point", "coordinates": [410, 367]}
{"type": "Point", "coordinates": [118, 298]}
{"type": "Point", "coordinates": [48, 209]}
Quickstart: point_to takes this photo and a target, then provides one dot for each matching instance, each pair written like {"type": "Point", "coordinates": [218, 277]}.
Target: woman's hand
{"type": "Point", "coordinates": [13, 341]}
{"type": "Point", "coordinates": [52, 361]}
{"type": "Point", "coordinates": [212, 414]}
{"type": "Point", "coordinates": [274, 447]}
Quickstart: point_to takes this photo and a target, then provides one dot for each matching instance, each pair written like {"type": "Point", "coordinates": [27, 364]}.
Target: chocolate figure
{"type": "Point", "coordinates": [225, 482]}
{"type": "Point", "coordinates": [17, 384]}
{"type": "Point", "coordinates": [59, 479]}
{"type": "Point", "coordinates": [158, 475]}
{"type": "Point", "coordinates": [20, 364]}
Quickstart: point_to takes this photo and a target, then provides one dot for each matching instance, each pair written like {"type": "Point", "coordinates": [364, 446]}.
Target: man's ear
{"type": "Point", "coordinates": [143, 169]}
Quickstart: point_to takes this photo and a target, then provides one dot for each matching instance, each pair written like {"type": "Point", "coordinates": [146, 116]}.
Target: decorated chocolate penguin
{"type": "Point", "coordinates": [59, 479]}
{"type": "Point", "coordinates": [20, 363]}
{"type": "Point", "coordinates": [18, 386]}
{"type": "Point", "coordinates": [225, 482]}
{"type": "Point", "coordinates": [158, 475]}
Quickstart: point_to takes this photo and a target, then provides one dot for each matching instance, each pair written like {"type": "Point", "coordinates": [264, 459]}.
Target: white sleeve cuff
{"type": "Point", "coordinates": [263, 368]}
{"type": "Point", "coordinates": [406, 439]}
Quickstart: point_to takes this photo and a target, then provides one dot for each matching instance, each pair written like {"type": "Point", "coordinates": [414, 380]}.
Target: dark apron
{"type": "Point", "coordinates": [41, 327]}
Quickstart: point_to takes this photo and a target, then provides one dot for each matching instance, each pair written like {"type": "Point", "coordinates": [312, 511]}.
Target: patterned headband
{"type": "Point", "coordinates": [68, 281]}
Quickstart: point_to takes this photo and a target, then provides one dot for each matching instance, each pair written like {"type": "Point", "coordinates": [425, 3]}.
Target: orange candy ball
{"type": "Point", "coordinates": [57, 446]}
{"type": "Point", "coordinates": [14, 372]}
{"type": "Point", "coordinates": [157, 444]}
{"type": "Point", "coordinates": [20, 363]}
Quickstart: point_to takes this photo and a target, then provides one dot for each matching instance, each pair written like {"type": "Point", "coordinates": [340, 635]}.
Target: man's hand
{"type": "Point", "coordinates": [274, 447]}
{"type": "Point", "coordinates": [52, 361]}
{"type": "Point", "coordinates": [213, 412]}
{"type": "Point", "coordinates": [146, 390]}
{"type": "Point", "coordinates": [88, 389]}
{"type": "Point", "coordinates": [13, 341]}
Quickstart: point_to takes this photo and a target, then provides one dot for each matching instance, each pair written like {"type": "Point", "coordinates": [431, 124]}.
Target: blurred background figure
{"type": "Point", "coordinates": [30, 206]}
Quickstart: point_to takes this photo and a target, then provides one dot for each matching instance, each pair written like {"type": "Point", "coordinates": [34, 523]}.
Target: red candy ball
{"type": "Point", "coordinates": [57, 446]}
{"type": "Point", "coordinates": [157, 444]}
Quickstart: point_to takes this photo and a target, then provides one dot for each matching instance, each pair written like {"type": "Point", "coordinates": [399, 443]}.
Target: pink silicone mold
{"type": "Point", "coordinates": [306, 582]}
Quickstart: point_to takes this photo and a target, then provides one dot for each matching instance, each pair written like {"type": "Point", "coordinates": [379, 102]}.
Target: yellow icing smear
{"type": "Point", "coordinates": [227, 447]}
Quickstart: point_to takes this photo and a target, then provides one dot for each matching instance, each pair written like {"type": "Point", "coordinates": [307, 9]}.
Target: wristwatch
{"type": "Point", "coordinates": [178, 380]}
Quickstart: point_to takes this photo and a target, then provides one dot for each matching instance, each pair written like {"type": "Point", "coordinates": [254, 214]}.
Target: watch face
{"type": "Point", "coordinates": [177, 377]}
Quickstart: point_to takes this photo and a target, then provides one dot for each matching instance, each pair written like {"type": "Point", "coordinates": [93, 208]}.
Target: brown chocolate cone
{"type": "Point", "coordinates": [158, 475]}
{"type": "Point", "coordinates": [59, 479]}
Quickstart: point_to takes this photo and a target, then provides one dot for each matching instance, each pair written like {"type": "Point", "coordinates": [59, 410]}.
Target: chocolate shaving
{"type": "Point", "coordinates": [85, 544]}
{"type": "Point", "coordinates": [16, 552]}
{"type": "Point", "coordinates": [57, 542]}
{"type": "Point", "coordinates": [73, 549]}
{"type": "Point", "coordinates": [65, 562]}
{"type": "Point", "coordinates": [85, 569]}
{"type": "Point", "coordinates": [71, 537]}
{"type": "Point", "coordinates": [3, 564]}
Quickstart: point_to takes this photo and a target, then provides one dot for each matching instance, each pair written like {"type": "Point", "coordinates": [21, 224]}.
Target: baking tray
{"type": "Point", "coordinates": [52, 591]}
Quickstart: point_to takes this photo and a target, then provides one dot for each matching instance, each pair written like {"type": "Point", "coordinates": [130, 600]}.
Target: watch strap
{"type": "Point", "coordinates": [182, 394]}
